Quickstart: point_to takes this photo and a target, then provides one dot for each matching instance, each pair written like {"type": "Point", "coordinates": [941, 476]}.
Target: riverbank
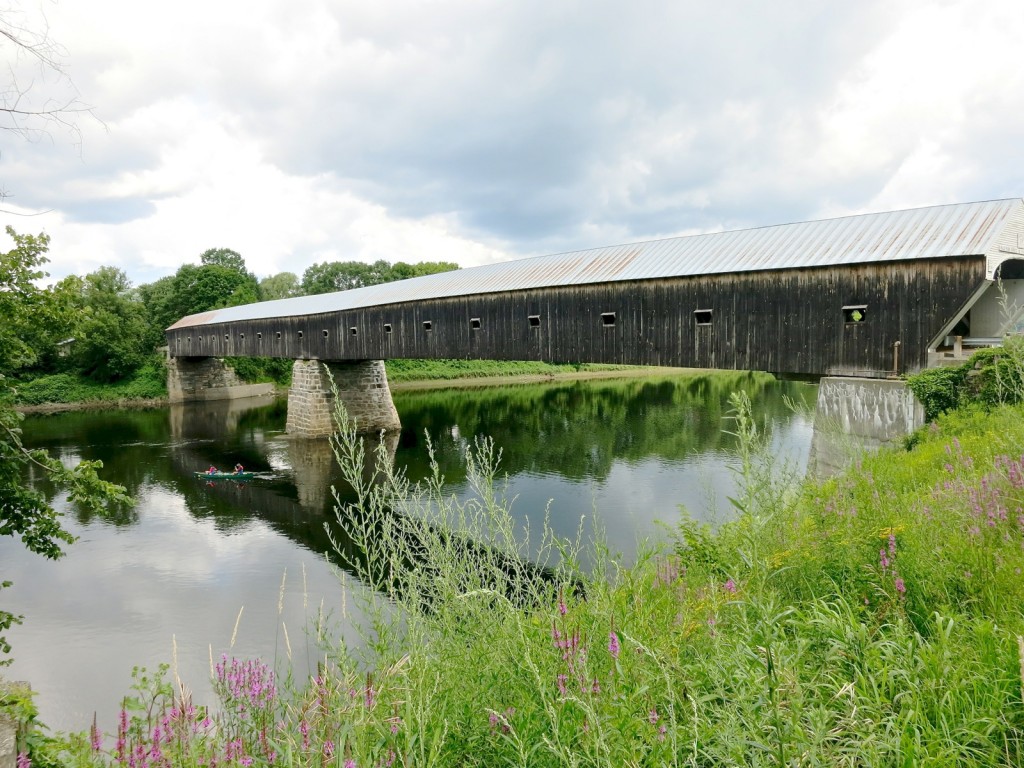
{"type": "Point", "coordinates": [464, 381]}
{"type": "Point", "coordinates": [874, 619]}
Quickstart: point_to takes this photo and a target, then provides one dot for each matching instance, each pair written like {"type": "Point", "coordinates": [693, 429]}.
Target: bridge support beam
{"type": "Point", "coordinates": [855, 414]}
{"type": "Point", "coordinates": [192, 379]}
{"type": "Point", "coordinates": [361, 386]}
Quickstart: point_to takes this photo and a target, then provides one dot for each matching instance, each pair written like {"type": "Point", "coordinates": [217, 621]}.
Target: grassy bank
{"type": "Point", "coordinates": [870, 619]}
{"type": "Point", "coordinates": [147, 383]}
{"type": "Point", "coordinates": [150, 382]}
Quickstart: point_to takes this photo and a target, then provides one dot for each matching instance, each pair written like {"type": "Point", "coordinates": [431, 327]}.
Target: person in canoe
{"type": "Point", "coordinates": [212, 470]}
{"type": "Point", "coordinates": [239, 469]}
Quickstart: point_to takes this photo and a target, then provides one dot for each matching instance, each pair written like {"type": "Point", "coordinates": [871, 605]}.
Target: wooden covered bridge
{"type": "Point", "coordinates": [874, 295]}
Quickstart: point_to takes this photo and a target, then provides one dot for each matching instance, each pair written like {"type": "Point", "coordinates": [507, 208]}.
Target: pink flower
{"type": "Point", "coordinates": [729, 586]}
{"type": "Point", "coordinates": [24, 761]}
{"type": "Point", "coordinates": [613, 644]}
{"type": "Point", "coordinates": [900, 586]}
{"type": "Point", "coordinates": [652, 716]}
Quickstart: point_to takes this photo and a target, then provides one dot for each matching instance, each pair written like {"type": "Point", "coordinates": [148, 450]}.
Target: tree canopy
{"type": "Point", "coordinates": [330, 276]}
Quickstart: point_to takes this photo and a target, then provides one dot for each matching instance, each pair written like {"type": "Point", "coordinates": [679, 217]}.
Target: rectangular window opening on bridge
{"type": "Point", "coordinates": [227, 337]}
{"type": "Point", "coordinates": [279, 334]}
{"type": "Point", "coordinates": [854, 314]}
{"type": "Point", "coordinates": [427, 325]}
{"type": "Point", "coordinates": [702, 316]}
{"type": "Point", "coordinates": [189, 339]}
{"type": "Point", "coordinates": [300, 334]}
{"type": "Point", "coordinates": [353, 330]}
{"type": "Point", "coordinates": [241, 337]}
{"type": "Point", "coordinates": [200, 339]}
{"type": "Point", "coordinates": [387, 327]}
{"type": "Point", "coordinates": [607, 319]}
{"type": "Point", "coordinates": [534, 321]}
{"type": "Point", "coordinates": [259, 337]}
{"type": "Point", "coordinates": [326, 333]}
{"type": "Point", "coordinates": [474, 323]}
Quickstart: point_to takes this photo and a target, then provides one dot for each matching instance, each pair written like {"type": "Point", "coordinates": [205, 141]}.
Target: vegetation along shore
{"type": "Point", "coordinates": [873, 618]}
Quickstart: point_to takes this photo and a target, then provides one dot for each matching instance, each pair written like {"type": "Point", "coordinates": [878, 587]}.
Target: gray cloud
{"type": "Point", "coordinates": [508, 119]}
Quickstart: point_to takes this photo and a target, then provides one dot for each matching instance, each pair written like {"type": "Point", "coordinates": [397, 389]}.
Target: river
{"type": "Point", "coordinates": [197, 569]}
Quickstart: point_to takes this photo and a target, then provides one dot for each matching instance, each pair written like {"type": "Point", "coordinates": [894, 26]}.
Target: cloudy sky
{"type": "Point", "coordinates": [298, 131]}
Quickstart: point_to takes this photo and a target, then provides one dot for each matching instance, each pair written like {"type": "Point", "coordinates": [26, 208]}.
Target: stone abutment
{"type": "Point", "coordinates": [191, 379]}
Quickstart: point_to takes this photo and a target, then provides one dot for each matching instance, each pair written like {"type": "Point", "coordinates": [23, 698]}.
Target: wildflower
{"type": "Point", "coordinates": [562, 608]}
{"type": "Point", "coordinates": [652, 716]}
{"type": "Point", "coordinates": [596, 687]}
{"type": "Point", "coordinates": [662, 732]}
{"type": "Point", "coordinates": [350, 763]}
{"type": "Point", "coordinates": [328, 748]}
{"type": "Point", "coordinates": [371, 693]}
{"type": "Point", "coordinates": [613, 644]}
{"type": "Point", "coordinates": [492, 718]}
{"type": "Point", "coordinates": [729, 586]}
{"type": "Point", "coordinates": [95, 737]}
{"type": "Point", "coordinates": [24, 761]}
{"type": "Point", "coordinates": [561, 684]}
{"type": "Point", "coordinates": [900, 586]}
{"type": "Point", "coordinates": [122, 736]}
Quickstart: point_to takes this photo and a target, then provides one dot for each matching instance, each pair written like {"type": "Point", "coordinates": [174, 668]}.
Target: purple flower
{"type": "Point", "coordinates": [900, 586]}
{"type": "Point", "coordinates": [350, 763]}
{"type": "Point", "coordinates": [613, 644]}
{"type": "Point", "coordinates": [729, 586]}
{"type": "Point", "coordinates": [328, 748]}
{"type": "Point", "coordinates": [24, 761]}
{"type": "Point", "coordinates": [561, 683]}
{"type": "Point", "coordinates": [95, 737]}
{"type": "Point", "coordinates": [652, 716]}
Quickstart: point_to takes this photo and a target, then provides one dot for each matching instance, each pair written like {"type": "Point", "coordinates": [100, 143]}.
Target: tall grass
{"type": "Point", "coordinates": [872, 619]}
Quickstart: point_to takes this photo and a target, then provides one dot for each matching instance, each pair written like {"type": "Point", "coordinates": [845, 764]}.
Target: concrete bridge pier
{"type": "Point", "coordinates": [195, 379]}
{"type": "Point", "coordinates": [854, 415]}
{"type": "Point", "coordinates": [362, 387]}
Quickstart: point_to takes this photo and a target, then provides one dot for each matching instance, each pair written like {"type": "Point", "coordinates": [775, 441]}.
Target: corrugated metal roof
{"type": "Point", "coordinates": [966, 229]}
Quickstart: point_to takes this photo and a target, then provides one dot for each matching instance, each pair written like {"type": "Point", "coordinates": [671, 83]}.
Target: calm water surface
{"type": "Point", "coordinates": [195, 569]}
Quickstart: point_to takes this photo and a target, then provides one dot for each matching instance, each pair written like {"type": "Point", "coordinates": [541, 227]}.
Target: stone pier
{"type": "Point", "coordinates": [856, 414]}
{"type": "Point", "coordinates": [362, 387]}
{"type": "Point", "coordinates": [191, 379]}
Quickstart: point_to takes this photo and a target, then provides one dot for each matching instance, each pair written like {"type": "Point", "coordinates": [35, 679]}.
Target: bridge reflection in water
{"type": "Point", "coordinates": [301, 506]}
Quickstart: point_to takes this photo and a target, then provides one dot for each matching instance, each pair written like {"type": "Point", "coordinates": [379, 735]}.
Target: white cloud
{"type": "Point", "coordinates": [312, 130]}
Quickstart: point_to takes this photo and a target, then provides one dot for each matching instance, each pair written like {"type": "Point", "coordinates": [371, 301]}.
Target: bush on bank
{"type": "Point", "coordinates": [147, 383]}
{"type": "Point", "coordinates": [990, 377]}
{"type": "Point", "coordinates": [869, 619]}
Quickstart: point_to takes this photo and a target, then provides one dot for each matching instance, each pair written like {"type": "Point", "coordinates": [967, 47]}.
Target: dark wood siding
{"type": "Point", "coordinates": [784, 321]}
